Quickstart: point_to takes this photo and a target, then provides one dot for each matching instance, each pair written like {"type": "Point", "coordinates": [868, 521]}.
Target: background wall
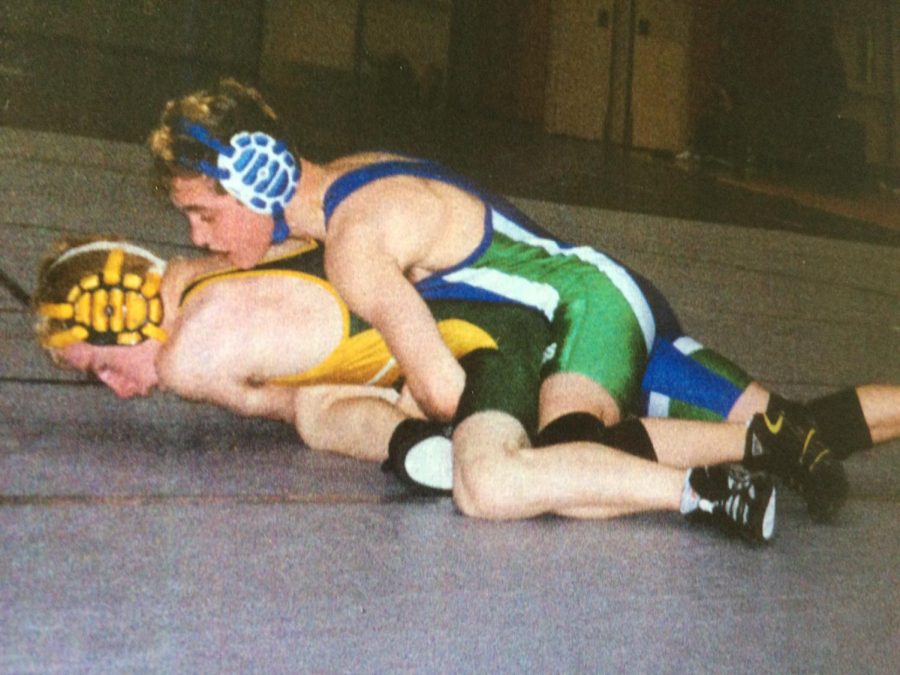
{"type": "Point", "coordinates": [314, 32]}
{"type": "Point", "coordinates": [103, 68]}
{"type": "Point", "coordinates": [642, 73]}
{"type": "Point", "coordinates": [499, 57]}
{"type": "Point", "coordinates": [660, 82]}
{"type": "Point", "coordinates": [356, 72]}
{"type": "Point", "coordinates": [579, 72]}
{"type": "Point", "coordinates": [867, 33]}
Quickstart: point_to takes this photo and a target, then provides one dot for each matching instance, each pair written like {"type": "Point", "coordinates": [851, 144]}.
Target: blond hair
{"type": "Point", "coordinates": [224, 110]}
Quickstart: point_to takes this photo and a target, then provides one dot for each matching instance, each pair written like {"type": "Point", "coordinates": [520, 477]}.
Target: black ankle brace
{"type": "Point", "coordinates": [779, 404]}
{"type": "Point", "coordinates": [840, 420]}
{"type": "Point", "coordinates": [761, 444]}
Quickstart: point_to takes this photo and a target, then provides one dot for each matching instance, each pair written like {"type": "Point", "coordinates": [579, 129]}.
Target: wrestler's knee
{"type": "Point", "coordinates": [564, 393]}
{"type": "Point", "coordinates": [485, 449]}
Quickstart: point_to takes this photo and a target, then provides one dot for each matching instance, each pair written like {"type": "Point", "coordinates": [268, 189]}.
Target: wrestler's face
{"type": "Point", "coordinates": [128, 370]}
{"type": "Point", "coordinates": [220, 222]}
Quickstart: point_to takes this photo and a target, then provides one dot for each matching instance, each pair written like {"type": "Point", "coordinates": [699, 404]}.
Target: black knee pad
{"type": "Point", "coordinates": [571, 428]}
{"type": "Point", "coordinates": [631, 436]}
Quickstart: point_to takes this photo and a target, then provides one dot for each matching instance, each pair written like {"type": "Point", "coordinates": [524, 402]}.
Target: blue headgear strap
{"type": "Point", "coordinates": [256, 169]}
{"type": "Point", "coordinates": [200, 133]}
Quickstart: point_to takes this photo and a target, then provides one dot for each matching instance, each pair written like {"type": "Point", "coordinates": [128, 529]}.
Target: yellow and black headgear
{"type": "Point", "coordinates": [109, 303]}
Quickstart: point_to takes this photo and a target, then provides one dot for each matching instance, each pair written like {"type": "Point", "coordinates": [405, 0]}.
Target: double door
{"type": "Point", "coordinates": [622, 75]}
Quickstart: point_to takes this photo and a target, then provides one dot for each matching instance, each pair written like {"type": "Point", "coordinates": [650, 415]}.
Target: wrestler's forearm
{"type": "Point", "coordinates": [269, 401]}
{"type": "Point", "coordinates": [398, 312]}
{"type": "Point", "coordinates": [433, 376]}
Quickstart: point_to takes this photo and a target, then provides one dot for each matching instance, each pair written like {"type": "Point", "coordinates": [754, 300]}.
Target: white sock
{"type": "Point", "coordinates": [690, 500]}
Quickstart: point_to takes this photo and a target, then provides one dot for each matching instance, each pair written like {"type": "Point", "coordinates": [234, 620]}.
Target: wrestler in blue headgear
{"type": "Point", "coordinates": [256, 169]}
{"type": "Point", "coordinates": [230, 134]}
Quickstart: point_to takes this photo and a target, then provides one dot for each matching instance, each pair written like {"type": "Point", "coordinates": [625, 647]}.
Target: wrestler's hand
{"type": "Point", "coordinates": [407, 404]}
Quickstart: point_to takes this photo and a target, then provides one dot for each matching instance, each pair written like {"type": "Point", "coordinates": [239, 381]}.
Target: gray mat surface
{"type": "Point", "coordinates": [163, 536]}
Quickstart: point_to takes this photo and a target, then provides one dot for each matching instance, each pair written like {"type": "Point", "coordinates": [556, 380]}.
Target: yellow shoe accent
{"type": "Point", "coordinates": [822, 455]}
{"type": "Point", "coordinates": [806, 445]}
{"type": "Point", "coordinates": [775, 427]}
{"type": "Point", "coordinates": [809, 437]}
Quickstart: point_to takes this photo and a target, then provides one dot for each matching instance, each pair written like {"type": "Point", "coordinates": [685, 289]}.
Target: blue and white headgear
{"type": "Point", "coordinates": [256, 169]}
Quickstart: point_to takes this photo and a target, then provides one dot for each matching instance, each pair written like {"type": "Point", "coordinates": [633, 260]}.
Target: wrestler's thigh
{"type": "Point", "coordinates": [564, 393]}
{"type": "Point", "coordinates": [598, 335]}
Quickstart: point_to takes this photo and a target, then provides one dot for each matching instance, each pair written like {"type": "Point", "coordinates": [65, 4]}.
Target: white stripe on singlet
{"type": "Point", "coordinates": [687, 345]}
{"type": "Point", "coordinates": [385, 369]}
{"type": "Point", "coordinates": [658, 405]}
{"type": "Point", "coordinates": [617, 274]}
{"type": "Point", "coordinates": [534, 294]}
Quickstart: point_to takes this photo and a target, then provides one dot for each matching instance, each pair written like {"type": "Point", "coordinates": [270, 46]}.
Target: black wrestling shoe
{"type": "Point", "coordinates": [733, 498]}
{"type": "Point", "coordinates": [420, 455]}
{"type": "Point", "coordinates": [790, 448]}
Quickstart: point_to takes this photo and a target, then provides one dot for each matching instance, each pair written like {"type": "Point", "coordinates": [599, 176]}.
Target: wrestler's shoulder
{"type": "Point", "coordinates": [347, 163]}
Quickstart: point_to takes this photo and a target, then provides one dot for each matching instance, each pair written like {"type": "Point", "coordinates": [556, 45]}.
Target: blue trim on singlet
{"type": "Point", "coordinates": [432, 287]}
{"type": "Point", "coordinates": [435, 286]}
{"type": "Point", "coordinates": [674, 374]}
{"type": "Point", "coordinates": [439, 290]}
{"type": "Point", "coordinates": [353, 180]}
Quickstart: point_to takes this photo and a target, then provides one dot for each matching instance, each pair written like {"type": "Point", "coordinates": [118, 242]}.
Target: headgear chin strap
{"type": "Point", "coordinates": [108, 307]}
{"type": "Point", "coordinates": [259, 171]}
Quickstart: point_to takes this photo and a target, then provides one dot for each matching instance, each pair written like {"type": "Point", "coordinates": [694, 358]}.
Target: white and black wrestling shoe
{"type": "Point", "coordinates": [420, 455]}
{"type": "Point", "coordinates": [733, 498]}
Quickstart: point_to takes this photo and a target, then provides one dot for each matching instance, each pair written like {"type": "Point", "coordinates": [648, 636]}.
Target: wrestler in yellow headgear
{"type": "Point", "coordinates": [103, 293]}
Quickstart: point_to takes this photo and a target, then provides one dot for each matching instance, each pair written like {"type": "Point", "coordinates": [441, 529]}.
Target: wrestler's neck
{"type": "Point", "coordinates": [304, 214]}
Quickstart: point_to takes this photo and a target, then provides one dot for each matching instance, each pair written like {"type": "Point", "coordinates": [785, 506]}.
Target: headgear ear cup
{"type": "Point", "coordinates": [254, 168]}
{"type": "Point", "coordinates": [108, 306]}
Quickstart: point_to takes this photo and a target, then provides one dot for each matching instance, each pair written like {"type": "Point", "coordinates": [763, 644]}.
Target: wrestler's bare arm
{"type": "Point", "coordinates": [434, 377]}
{"type": "Point", "coordinates": [201, 364]}
{"type": "Point", "coordinates": [229, 342]}
{"type": "Point", "coordinates": [369, 253]}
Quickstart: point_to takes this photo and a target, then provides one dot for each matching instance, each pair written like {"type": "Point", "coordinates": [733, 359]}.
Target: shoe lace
{"type": "Point", "coordinates": [738, 504]}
